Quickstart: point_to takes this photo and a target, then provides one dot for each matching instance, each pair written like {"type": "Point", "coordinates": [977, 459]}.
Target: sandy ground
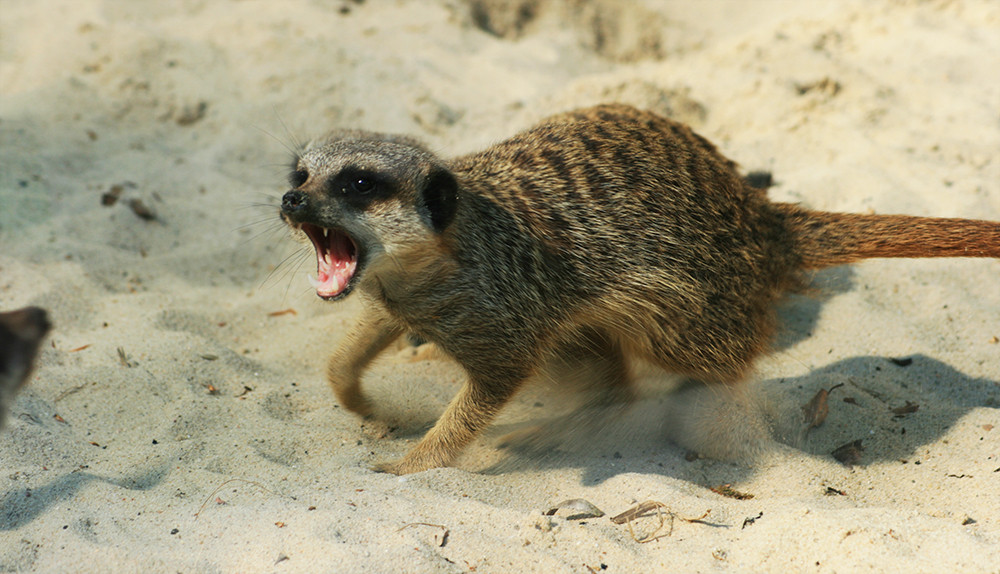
{"type": "Point", "coordinates": [179, 420]}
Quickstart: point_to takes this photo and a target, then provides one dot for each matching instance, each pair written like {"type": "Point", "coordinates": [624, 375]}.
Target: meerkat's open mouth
{"type": "Point", "coordinates": [336, 261]}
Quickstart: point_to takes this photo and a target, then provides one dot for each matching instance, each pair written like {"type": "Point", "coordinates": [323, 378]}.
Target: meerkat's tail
{"type": "Point", "coordinates": [826, 239]}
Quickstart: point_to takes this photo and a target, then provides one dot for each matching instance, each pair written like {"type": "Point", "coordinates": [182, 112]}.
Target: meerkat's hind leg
{"type": "Point", "coordinates": [590, 365]}
{"type": "Point", "coordinates": [719, 421]}
{"type": "Point", "coordinates": [369, 337]}
{"type": "Point", "coordinates": [592, 361]}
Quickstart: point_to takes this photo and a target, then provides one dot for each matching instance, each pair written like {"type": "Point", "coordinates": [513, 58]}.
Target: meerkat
{"type": "Point", "coordinates": [598, 236]}
{"type": "Point", "coordinates": [21, 334]}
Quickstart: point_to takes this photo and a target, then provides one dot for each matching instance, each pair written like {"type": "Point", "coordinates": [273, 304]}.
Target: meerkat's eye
{"type": "Point", "coordinates": [362, 185]}
{"type": "Point", "coordinates": [298, 177]}
{"type": "Point", "coordinates": [359, 187]}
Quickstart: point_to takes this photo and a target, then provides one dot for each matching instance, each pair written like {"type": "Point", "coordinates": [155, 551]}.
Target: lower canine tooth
{"type": "Point", "coordinates": [312, 281]}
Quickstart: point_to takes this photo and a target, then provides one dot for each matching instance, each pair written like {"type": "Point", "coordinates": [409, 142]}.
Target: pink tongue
{"type": "Point", "coordinates": [334, 266]}
{"type": "Point", "coordinates": [333, 275]}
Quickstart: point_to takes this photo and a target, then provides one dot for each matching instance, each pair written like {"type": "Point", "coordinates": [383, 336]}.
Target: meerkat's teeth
{"type": "Point", "coordinates": [312, 281]}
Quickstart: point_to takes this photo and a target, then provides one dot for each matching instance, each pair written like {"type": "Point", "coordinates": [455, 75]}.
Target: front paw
{"type": "Point", "coordinates": [401, 467]}
{"type": "Point", "coordinates": [354, 401]}
{"type": "Point", "coordinates": [394, 467]}
{"type": "Point", "coordinates": [359, 405]}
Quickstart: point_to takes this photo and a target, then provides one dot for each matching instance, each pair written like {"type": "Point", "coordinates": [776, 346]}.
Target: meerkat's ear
{"type": "Point", "coordinates": [438, 199]}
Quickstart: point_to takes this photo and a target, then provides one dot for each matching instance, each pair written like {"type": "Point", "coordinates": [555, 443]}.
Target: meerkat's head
{"type": "Point", "coordinates": [367, 202]}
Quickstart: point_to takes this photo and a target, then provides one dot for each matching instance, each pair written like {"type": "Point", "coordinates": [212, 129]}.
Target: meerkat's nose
{"type": "Point", "coordinates": [293, 201]}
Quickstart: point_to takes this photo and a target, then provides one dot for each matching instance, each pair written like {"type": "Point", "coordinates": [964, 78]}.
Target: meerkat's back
{"type": "Point", "coordinates": [663, 242]}
{"type": "Point", "coordinates": [659, 238]}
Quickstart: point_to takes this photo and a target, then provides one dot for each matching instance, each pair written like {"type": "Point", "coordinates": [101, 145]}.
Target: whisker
{"type": "Point", "coordinates": [285, 267]}
{"type": "Point", "coordinates": [270, 232]}
{"type": "Point", "coordinates": [288, 133]}
{"type": "Point", "coordinates": [283, 143]}
{"type": "Point", "coordinates": [294, 272]}
{"type": "Point", "coordinates": [269, 224]}
{"type": "Point", "coordinates": [261, 206]}
{"type": "Point", "coordinates": [273, 223]}
{"type": "Point", "coordinates": [280, 170]}
{"type": "Point", "coordinates": [272, 198]}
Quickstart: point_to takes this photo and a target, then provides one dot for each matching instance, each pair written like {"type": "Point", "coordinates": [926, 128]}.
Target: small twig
{"type": "Point", "coordinates": [637, 511]}
{"type": "Point", "coordinates": [123, 358]}
{"type": "Point", "coordinates": [444, 535]}
{"type": "Point", "coordinates": [643, 510]}
{"type": "Point", "coordinates": [223, 485]}
{"type": "Point", "coordinates": [69, 392]}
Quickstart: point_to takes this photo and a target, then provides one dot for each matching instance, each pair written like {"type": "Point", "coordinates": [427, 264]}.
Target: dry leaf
{"type": "Point", "coordinates": [582, 509]}
{"type": "Point", "coordinates": [139, 208]}
{"type": "Point", "coordinates": [815, 411]}
{"type": "Point", "coordinates": [850, 453]}
{"type": "Point", "coordinates": [288, 311]}
{"type": "Point", "coordinates": [728, 491]}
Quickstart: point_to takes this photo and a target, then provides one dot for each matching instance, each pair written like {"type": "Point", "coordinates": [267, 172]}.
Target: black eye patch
{"type": "Point", "coordinates": [359, 188]}
{"type": "Point", "coordinates": [297, 178]}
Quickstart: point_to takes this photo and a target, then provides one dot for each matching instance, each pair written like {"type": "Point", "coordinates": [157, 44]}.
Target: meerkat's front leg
{"type": "Point", "coordinates": [480, 399]}
{"type": "Point", "coordinates": [370, 337]}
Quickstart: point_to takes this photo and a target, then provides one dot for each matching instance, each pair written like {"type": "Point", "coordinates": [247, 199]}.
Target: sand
{"type": "Point", "coordinates": [179, 421]}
